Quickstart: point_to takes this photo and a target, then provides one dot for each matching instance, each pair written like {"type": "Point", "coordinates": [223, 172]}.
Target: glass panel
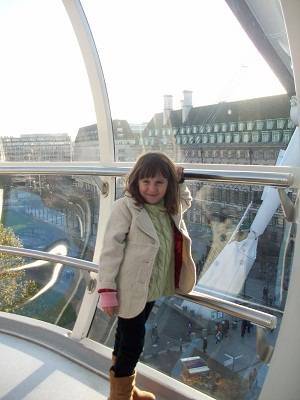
{"type": "Point", "coordinates": [206, 349]}
{"type": "Point", "coordinates": [224, 222]}
{"type": "Point", "coordinates": [242, 244]}
{"type": "Point", "coordinates": [148, 92]}
{"type": "Point", "coordinates": [45, 99]}
{"type": "Point", "coordinates": [53, 214]}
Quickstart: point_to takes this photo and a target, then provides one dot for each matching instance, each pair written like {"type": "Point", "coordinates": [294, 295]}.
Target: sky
{"type": "Point", "coordinates": [146, 48]}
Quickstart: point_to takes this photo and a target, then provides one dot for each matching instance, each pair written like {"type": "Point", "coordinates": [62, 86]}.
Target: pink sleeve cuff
{"type": "Point", "coordinates": [108, 299]}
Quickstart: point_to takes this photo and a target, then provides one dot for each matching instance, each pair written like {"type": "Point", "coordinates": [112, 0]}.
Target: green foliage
{"type": "Point", "coordinates": [15, 288]}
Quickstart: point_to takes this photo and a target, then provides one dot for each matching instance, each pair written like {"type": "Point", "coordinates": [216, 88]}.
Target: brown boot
{"type": "Point", "coordinates": [121, 388]}
{"type": "Point", "coordinates": [137, 393]}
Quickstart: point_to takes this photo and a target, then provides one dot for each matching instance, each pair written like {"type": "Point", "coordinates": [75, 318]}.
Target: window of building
{"type": "Point", "coordinates": [286, 137]}
{"type": "Point", "coordinates": [280, 123]}
{"type": "Point", "coordinates": [184, 140]}
{"type": "Point", "coordinates": [212, 138]}
{"type": "Point", "coordinates": [241, 126]}
{"type": "Point", "coordinates": [224, 127]}
{"type": "Point", "coordinates": [182, 130]}
{"type": "Point", "coordinates": [150, 132]}
{"type": "Point", "coordinates": [270, 123]}
{"type": "Point", "coordinates": [178, 140]}
{"type": "Point", "coordinates": [194, 129]}
{"type": "Point", "coordinates": [208, 128]}
{"type": "Point", "coordinates": [259, 125]}
{"type": "Point", "coordinates": [250, 125]}
{"type": "Point", "coordinates": [205, 139]}
{"type": "Point", "coordinates": [156, 132]}
{"type": "Point", "coordinates": [246, 137]}
{"type": "Point", "coordinates": [216, 127]}
{"type": "Point", "coordinates": [236, 138]}
{"type": "Point", "coordinates": [232, 126]}
{"type": "Point", "coordinates": [220, 138]}
{"type": "Point", "coordinates": [265, 137]}
{"type": "Point", "coordinates": [276, 136]}
{"type": "Point", "coordinates": [188, 130]}
{"type": "Point", "coordinates": [290, 124]}
{"type": "Point", "coordinates": [228, 138]}
{"type": "Point", "coordinates": [198, 139]}
{"type": "Point", "coordinates": [191, 139]}
{"type": "Point", "coordinates": [255, 137]}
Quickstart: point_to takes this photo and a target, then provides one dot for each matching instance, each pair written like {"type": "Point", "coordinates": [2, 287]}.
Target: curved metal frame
{"type": "Point", "coordinates": [106, 148]}
{"type": "Point", "coordinates": [282, 380]}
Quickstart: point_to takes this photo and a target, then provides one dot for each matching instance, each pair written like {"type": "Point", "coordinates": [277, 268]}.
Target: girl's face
{"type": "Point", "coordinates": [153, 190]}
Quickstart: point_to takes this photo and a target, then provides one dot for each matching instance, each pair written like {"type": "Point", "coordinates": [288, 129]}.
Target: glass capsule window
{"type": "Point", "coordinates": [47, 115]}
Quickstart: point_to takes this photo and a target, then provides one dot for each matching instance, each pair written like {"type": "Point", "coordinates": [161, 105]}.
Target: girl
{"type": "Point", "coordinates": [146, 254]}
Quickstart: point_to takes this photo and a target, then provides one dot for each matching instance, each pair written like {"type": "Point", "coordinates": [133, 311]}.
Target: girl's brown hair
{"type": "Point", "coordinates": [148, 166]}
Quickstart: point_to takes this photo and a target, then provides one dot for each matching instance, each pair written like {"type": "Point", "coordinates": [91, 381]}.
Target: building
{"type": "Point", "coordinates": [86, 144]}
{"type": "Point", "coordinates": [36, 147]}
{"type": "Point", "coordinates": [126, 140]}
{"type": "Point", "coordinates": [241, 132]}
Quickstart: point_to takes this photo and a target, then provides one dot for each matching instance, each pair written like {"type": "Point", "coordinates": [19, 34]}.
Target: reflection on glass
{"type": "Point", "coordinates": [54, 214]}
{"type": "Point", "coordinates": [239, 249]}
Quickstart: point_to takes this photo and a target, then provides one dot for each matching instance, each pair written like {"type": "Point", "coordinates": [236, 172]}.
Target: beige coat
{"type": "Point", "coordinates": [129, 250]}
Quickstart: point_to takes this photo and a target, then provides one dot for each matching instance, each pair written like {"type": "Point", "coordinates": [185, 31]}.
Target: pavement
{"type": "Point", "coordinates": [234, 357]}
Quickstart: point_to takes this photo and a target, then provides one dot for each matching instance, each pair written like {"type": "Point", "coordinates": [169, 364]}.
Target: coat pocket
{"type": "Point", "coordinates": [138, 262]}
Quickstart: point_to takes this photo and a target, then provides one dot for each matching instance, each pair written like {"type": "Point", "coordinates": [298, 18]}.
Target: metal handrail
{"type": "Point", "coordinates": [43, 255]}
{"type": "Point", "coordinates": [236, 310]}
{"type": "Point", "coordinates": [275, 179]}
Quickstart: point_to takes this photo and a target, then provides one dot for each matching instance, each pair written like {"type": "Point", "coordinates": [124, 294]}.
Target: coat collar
{"type": "Point", "coordinates": [143, 220]}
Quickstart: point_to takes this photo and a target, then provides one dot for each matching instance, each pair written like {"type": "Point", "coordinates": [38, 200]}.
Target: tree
{"type": "Point", "coordinates": [15, 288]}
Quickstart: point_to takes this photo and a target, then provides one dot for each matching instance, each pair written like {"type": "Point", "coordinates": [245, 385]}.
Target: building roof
{"type": "Point", "coordinates": [271, 107]}
{"type": "Point", "coordinates": [90, 132]}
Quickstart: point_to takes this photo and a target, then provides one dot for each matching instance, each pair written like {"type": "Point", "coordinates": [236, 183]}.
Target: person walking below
{"type": "Point", "coordinates": [244, 327]}
{"type": "Point", "coordinates": [146, 254]}
{"type": "Point", "coordinates": [204, 344]}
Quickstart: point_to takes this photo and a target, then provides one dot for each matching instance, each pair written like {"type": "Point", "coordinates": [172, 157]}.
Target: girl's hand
{"type": "Point", "coordinates": [180, 176]}
{"type": "Point", "coordinates": [108, 303]}
{"type": "Point", "coordinates": [111, 311]}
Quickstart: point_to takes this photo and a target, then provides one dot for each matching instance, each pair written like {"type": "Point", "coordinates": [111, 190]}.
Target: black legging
{"type": "Point", "coordinates": [129, 341]}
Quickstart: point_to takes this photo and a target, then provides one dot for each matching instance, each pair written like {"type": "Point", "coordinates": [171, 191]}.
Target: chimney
{"type": "Point", "coordinates": [187, 104]}
{"type": "Point", "coordinates": [168, 107]}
